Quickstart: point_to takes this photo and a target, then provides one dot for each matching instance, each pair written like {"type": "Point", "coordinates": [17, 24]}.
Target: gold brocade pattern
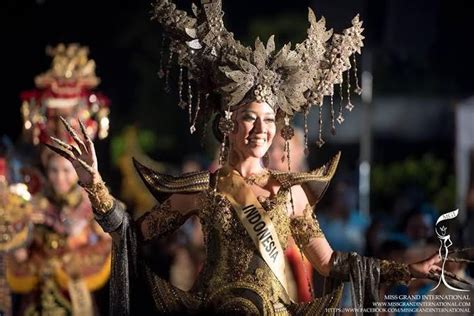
{"type": "Point", "coordinates": [232, 256]}
{"type": "Point", "coordinates": [234, 275]}
{"type": "Point", "coordinates": [394, 272]}
{"type": "Point", "coordinates": [305, 227]}
{"type": "Point", "coordinates": [53, 302]}
{"type": "Point", "coordinates": [160, 221]}
{"type": "Point", "coordinates": [99, 196]}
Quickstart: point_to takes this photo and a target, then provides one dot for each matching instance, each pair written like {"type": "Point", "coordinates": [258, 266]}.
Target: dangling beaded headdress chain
{"type": "Point", "coordinates": [289, 80]}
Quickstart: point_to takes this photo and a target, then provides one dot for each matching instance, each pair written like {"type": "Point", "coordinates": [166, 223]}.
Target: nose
{"type": "Point", "coordinates": [258, 127]}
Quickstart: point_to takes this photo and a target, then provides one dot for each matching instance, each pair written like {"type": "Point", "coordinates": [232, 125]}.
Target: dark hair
{"type": "Point", "coordinates": [215, 128]}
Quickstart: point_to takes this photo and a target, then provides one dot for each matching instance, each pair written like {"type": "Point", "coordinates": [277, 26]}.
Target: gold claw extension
{"type": "Point", "coordinates": [65, 145]}
{"type": "Point", "coordinates": [84, 131]}
{"type": "Point", "coordinates": [459, 260]}
{"type": "Point", "coordinates": [73, 133]}
{"type": "Point", "coordinates": [435, 277]}
{"type": "Point", "coordinates": [62, 152]}
{"type": "Point", "coordinates": [455, 277]}
{"type": "Point", "coordinates": [458, 250]}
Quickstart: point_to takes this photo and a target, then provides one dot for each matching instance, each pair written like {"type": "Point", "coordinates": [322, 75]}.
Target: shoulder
{"type": "Point", "coordinates": [313, 183]}
{"type": "Point", "coordinates": [163, 185]}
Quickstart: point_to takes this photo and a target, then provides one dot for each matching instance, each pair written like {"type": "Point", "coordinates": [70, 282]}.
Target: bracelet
{"type": "Point", "coordinates": [394, 272]}
{"type": "Point", "coordinates": [99, 196]}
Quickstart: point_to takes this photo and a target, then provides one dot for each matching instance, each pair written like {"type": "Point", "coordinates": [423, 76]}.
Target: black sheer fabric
{"type": "Point", "coordinates": [363, 273]}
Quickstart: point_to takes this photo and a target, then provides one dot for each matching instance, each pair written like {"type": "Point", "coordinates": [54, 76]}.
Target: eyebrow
{"type": "Point", "coordinates": [253, 112]}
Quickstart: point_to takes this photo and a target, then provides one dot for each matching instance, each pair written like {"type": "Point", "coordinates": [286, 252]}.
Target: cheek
{"type": "Point", "coordinates": [52, 176]}
{"type": "Point", "coordinates": [71, 176]}
{"type": "Point", "coordinates": [244, 128]}
{"type": "Point", "coordinates": [240, 133]}
{"type": "Point", "coordinates": [271, 133]}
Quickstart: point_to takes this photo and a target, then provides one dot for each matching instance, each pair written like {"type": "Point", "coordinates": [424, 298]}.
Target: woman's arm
{"type": "Point", "coordinates": [111, 213]}
{"type": "Point", "coordinates": [310, 238]}
{"type": "Point", "coordinates": [162, 220]}
{"type": "Point", "coordinates": [168, 216]}
{"type": "Point", "coordinates": [308, 235]}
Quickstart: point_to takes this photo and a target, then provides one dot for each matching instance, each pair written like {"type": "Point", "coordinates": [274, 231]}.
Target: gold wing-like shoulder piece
{"type": "Point", "coordinates": [163, 185]}
{"type": "Point", "coordinates": [314, 182]}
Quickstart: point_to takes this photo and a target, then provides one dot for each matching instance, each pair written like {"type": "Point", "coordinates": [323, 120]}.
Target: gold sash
{"type": "Point", "coordinates": [257, 223]}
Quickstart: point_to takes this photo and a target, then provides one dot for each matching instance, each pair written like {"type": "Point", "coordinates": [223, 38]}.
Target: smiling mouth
{"type": "Point", "coordinates": [257, 141]}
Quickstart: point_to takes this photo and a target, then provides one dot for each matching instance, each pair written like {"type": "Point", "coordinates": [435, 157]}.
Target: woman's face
{"type": "Point", "coordinates": [254, 131]}
{"type": "Point", "coordinates": [61, 174]}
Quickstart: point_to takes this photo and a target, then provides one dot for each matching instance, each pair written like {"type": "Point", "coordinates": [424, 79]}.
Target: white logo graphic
{"type": "Point", "coordinates": [446, 242]}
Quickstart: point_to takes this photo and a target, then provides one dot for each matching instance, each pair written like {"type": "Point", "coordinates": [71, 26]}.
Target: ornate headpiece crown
{"type": "Point", "coordinates": [66, 89]}
{"type": "Point", "coordinates": [290, 79]}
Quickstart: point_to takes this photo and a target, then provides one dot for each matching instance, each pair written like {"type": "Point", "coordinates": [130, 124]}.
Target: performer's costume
{"type": "Point", "coordinates": [15, 229]}
{"type": "Point", "coordinates": [235, 278]}
{"type": "Point", "coordinates": [68, 254]}
{"type": "Point", "coordinates": [244, 235]}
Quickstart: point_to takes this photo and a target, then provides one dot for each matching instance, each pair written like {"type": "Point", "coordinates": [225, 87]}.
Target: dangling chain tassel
{"type": "Point", "coordinates": [320, 141]}
{"type": "Point", "coordinates": [349, 105]}
{"type": "Point", "coordinates": [358, 89]}
{"type": "Point", "coordinates": [167, 73]}
{"type": "Point", "coordinates": [226, 126]}
{"type": "Point", "coordinates": [190, 100]}
{"type": "Point", "coordinates": [287, 133]}
{"type": "Point", "coordinates": [222, 152]}
{"type": "Point", "coordinates": [306, 113]}
{"type": "Point", "coordinates": [206, 122]}
{"type": "Point", "coordinates": [287, 145]}
{"type": "Point", "coordinates": [181, 103]}
{"type": "Point", "coordinates": [340, 117]}
{"type": "Point", "coordinates": [333, 126]}
{"type": "Point", "coordinates": [161, 72]}
{"type": "Point", "coordinates": [192, 129]}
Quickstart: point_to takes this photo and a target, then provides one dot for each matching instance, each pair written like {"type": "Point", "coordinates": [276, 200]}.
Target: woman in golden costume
{"type": "Point", "coordinates": [247, 211]}
{"type": "Point", "coordinates": [68, 254]}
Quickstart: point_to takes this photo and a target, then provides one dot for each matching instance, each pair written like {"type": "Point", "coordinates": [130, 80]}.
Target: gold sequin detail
{"type": "Point", "coordinates": [161, 221]}
{"type": "Point", "coordinates": [394, 272]}
{"type": "Point", "coordinates": [231, 254]}
{"type": "Point", "coordinates": [99, 196]}
{"type": "Point", "coordinates": [305, 227]}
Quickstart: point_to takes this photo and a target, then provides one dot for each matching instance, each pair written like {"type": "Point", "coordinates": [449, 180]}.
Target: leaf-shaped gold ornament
{"type": "Point", "coordinates": [259, 54]}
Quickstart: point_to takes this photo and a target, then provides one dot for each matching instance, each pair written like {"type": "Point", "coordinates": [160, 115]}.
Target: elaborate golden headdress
{"type": "Point", "coordinates": [66, 89]}
{"type": "Point", "coordinates": [290, 80]}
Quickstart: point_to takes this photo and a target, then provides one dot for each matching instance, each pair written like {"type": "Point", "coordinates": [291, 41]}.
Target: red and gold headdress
{"type": "Point", "coordinates": [66, 89]}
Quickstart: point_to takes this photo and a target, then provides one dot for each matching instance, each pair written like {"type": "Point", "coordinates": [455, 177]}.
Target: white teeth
{"type": "Point", "coordinates": [258, 141]}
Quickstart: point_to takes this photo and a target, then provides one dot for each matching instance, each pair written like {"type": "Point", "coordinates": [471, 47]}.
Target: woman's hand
{"type": "Point", "coordinates": [82, 155]}
{"type": "Point", "coordinates": [424, 268]}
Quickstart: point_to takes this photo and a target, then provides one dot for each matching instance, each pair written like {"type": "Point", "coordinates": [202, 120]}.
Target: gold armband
{"type": "Point", "coordinates": [99, 196]}
{"type": "Point", "coordinates": [394, 272]}
{"type": "Point", "coordinates": [305, 227]}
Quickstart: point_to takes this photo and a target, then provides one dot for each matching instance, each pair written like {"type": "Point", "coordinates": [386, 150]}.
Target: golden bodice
{"type": "Point", "coordinates": [234, 276]}
{"type": "Point", "coordinates": [232, 258]}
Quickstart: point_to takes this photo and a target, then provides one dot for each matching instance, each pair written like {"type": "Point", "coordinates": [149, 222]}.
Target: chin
{"type": "Point", "coordinates": [258, 152]}
{"type": "Point", "coordinates": [62, 191]}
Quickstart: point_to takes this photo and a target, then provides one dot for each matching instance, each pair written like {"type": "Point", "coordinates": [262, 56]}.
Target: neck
{"type": "Point", "coordinates": [247, 166]}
